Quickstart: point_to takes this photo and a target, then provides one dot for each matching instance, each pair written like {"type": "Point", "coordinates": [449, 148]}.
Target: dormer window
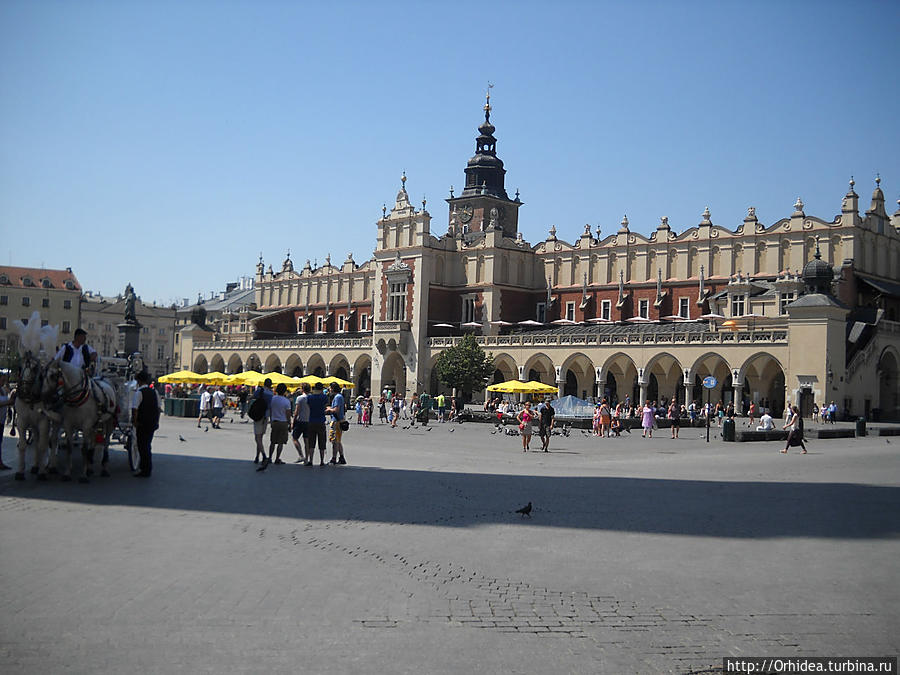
{"type": "Point", "coordinates": [46, 283]}
{"type": "Point", "coordinates": [4, 279]}
{"type": "Point", "coordinates": [70, 284]}
{"type": "Point", "coordinates": [26, 281]}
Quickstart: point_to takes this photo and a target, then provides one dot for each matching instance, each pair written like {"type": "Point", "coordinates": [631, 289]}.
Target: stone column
{"type": "Point", "coordinates": [688, 393]}
{"type": "Point", "coordinates": [643, 386]}
{"type": "Point", "coordinates": [600, 386]}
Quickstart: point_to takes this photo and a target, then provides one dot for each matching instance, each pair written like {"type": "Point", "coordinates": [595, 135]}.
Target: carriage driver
{"type": "Point", "coordinates": [78, 352]}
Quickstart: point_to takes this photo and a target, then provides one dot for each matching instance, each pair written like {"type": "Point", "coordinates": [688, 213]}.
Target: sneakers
{"type": "Point", "coordinates": [332, 461]}
{"type": "Point", "coordinates": [342, 461]}
{"type": "Point", "coordinates": [278, 461]}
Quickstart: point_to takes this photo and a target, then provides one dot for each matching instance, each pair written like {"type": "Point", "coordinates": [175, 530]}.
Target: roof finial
{"type": "Point", "coordinates": [818, 255]}
{"type": "Point", "coordinates": [852, 182]}
{"type": "Point", "coordinates": [877, 180]}
{"type": "Point", "coordinates": [383, 211]}
{"type": "Point", "coordinates": [451, 192]}
{"type": "Point", "coordinates": [403, 181]}
{"type": "Point", "coordinates": [423, 202]}
{"type": "Point", "coordinates": [487, 104]}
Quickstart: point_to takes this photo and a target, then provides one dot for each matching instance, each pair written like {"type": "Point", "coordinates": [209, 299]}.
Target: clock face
{"type": "Point", "coordinates": [465, 213]}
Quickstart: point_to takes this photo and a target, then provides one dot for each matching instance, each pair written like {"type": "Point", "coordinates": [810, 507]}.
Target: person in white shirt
{"type": "Point", "coordinates": [766, 423]}
{"type": "Point", "coordinates": [78, 352]}
{"type": "Point", "coordinates": [279, 418]}
{"type": "Point", "coordinates": [300, 425]}
{"type": "Point", "coordinates": [205, 399]}
{"type": "Point", "coordinates": [218, 406]}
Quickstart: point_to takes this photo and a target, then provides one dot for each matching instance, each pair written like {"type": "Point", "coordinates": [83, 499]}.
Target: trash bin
{"type": "Point", "coordinates": [861, 426]}
{"type": "Point", "coordinates": [191, 407]}
{"type": "Point", "coordinates": [728, 430]}
{"type": "Point", "coordinates": [167, 406]}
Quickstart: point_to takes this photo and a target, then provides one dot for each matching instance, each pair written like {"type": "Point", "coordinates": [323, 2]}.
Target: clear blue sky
{"type": "Point", "coordinates": [167, 143]}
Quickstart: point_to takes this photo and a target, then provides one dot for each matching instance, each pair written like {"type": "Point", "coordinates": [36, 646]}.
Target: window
{"type": "Point", "coordinates": [737, 305]}
{"type": "Point", "coordinates": [26, 301]}
{"type": "Point", "coordinates": [243, 326]}
{"type": "Point", "coordinates": [605, 309]}
{"type": "Point", "coordinates": [540, 312]}
{"type": "Point", "coordinates": [27, 281]}
{"type": "Point", "coordinates": [4, 299]}
{"type": "Point", "coordinates": [397, 302]}
{"type": "Point", "coordinates": [783, 301]}
{"type": "Point", "coordinates": [570, 311]}
{"type": "Point", "coordinates": [468, 309]}
{"type": "Point", "coordinates": [24, 321]}
{"type": "Point", "coordinates": [46, 283]}
{"type": "Point", "coordinates": [342, 323]}
{"type": "Point", "coordinates": [2, 323]}
{"type": "Point", "coordinates": [299, 324]}
{"type": "Point", "coordinates": [320, 324]}
{"type": "Point", "coordinates": [225, 327]}
{"type": "Point", "coordinates": [45, 302]}
{"type": "Point", "coordinates": [162, 331]}
{"type": "Point", "coordinates": [44, 322]}
{"type": "Point", "coordinates": [160, 352]}
{"type": "Point", "coordinates": [91, 325]}
{"type": "Point", "coordinates": [66, 326]}
{"type": "Point", "coordinates": [684, 308]}
{"type": "Point", "coordinates": [145, 348]}
{"type": "Point", "coordinates": [363, 322]}
{"type": "Point", "coordinates": [67, 304]}
{"type": "Point", "coordinates": [176, 338]}
{"type": "Point", "coordinates": [644, 308]}
{"type": "Point", "coordinates": [145, 330]}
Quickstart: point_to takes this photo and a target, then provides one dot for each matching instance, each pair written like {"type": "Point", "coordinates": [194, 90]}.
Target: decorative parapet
{"type": "Point", "coordinates": [391, 326]}
{"type": "Point", "coordinates": [645, 338]}
{"type": "Point", "coordinates": [312, 342]}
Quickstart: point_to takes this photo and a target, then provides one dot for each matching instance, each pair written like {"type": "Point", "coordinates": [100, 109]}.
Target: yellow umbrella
{"type": "Point", "coordinates": [344, 383]}
{"type": "Point", "coordinates": [178, 377]}
{"type": "Point", "coordinates": [519, 387]}
{"type": "Point", "coordinates": [214, 377]}
{"type": "Point", "coordinates": [249, 377]}
{"type": "Point", "coordinates": [278, 378]}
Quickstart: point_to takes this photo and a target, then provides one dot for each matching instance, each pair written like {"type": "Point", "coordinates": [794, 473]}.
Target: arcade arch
{"type": "Point", "coordinates": [235, 365]}
{"type": "Point", "coordinates": [201, 366]}
{"type": "Point", "coordinates": [665, 378]}
{"type": "Point", "coordinates": [217, 364]}
{"type": "Point", "coordinates": [619, 376]}
{"type": "Point", "coordinates": [362, 374]}
{"type": "Point", "coordinates": [578, 371]}
{"type": "Point", "coordinates": [315, 366]}
{"type": "Point", "coordinates": [711, 364]}
{"type": "Point", "coordinates": [253, 363]}
{"type": "Point", "coordinates": [393, 373]}
{"type": "Point", "coordinates": [339, 367]}
{"type": "Point", "coordinates": [293, 366]}
{"type": "Point", "coordinates": [504, 369]}
{"type": "Point", "coordinates": [540, 369]}
{"type": "Point", "coordinates": [273, 364]}
{"type": "Point", "coordinates": [764, 384]}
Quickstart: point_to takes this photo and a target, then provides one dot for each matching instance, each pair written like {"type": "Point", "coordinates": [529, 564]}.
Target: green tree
{"type": "Point", "coordinates": [465, 366]}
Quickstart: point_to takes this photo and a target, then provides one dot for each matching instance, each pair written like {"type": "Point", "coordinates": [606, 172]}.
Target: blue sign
{"type": "Point", "coordinates": [710, 382]}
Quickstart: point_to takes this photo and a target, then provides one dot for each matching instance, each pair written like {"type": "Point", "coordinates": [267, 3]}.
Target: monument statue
{"type": "Point", "coordinates": [129, 304]}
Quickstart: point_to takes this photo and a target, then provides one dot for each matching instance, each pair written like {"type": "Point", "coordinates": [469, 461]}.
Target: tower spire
{"type": "Point", "coordinates": [487, 104]}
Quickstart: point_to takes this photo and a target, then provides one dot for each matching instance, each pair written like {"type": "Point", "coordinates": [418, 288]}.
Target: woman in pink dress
{"type": "Point", "coordinates": [647, 420]}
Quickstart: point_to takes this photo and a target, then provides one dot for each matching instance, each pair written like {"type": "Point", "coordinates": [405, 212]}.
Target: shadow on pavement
{"type": "Point", "coordinates": [370, 494]}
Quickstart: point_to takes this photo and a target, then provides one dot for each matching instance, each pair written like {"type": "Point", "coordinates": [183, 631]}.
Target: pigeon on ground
{"type": "Point", "coordinates": [450, 430]}
{"type": "Point", "coordinates": [430, 428]}
{"type": "Point", "coordinates": [525, 510]}
{"type": "Point", "coordinates": [205, 429]}
{"type": "Point", "coordinates": [182, 438]}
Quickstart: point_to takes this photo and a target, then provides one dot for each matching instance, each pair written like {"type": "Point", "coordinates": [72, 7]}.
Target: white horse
{"type": "Point", "coordinates": [30, 416]}
{"type": "Point", "coordinates": [88, 405]}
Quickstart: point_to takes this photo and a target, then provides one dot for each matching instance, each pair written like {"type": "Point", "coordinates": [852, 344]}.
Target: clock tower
{"type": "Point", "coordinates": [484, 205]}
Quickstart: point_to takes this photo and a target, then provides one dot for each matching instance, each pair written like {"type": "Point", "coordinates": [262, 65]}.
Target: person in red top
{"type": "Point", "coordinates": [525, 417]}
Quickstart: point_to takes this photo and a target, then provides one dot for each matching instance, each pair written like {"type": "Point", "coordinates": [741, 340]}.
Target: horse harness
{"type": "Point", "coordinates": [75, 397]}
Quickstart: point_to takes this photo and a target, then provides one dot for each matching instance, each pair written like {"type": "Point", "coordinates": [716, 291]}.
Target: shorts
{"type": "Point", "coordinates": [218, 412]}
{"type": "Point", "coordinates": [259, 426]}
{"type": "Point", "coordinates": [204, 413]}
{"type": "Point", "coordinates": [335, 433]}
{"type": "Point", "coordinates": [315, 431]}
{"type": "Point", "coordinates": [299, 430]}
{"type": "Point", "coordinates": [279, 433]}
{"type": "Point", "coordinates": [676, 423]}
{"type": "Point", "coordinates": [526, 430]}
{"type": "Point", "coordinates": [605, 420]}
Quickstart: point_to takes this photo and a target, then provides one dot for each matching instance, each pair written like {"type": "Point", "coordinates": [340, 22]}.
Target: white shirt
{"type": "Point", "coordinates": [302, 408]}
{"type": "Point", "coordinates": [218, 399]}
{"type": "Point", "coordinates": [204, 400]}
{"type": "Point", "coordinates": [766, 422]}
{"type": "Point", "coordinates": [77, 356]}
{"type": "Point", "coordinates": [279, 409]}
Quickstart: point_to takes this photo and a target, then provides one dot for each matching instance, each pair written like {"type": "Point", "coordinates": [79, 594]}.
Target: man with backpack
{"type": "Point", "coordinates": [259, 413]}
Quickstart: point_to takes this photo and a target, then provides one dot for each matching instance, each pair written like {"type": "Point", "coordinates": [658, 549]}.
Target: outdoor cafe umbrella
{"type": "Point", "coordinates": [564, 322]}
{"type": "Point", "coordinates": [519, 387]}
{"type": "Point", "coordinates": [251, 378]}
{"type": "Point", "coordinates": [530, 322]}
{"type": "Point", "coordinates": [471, 324]}
{"type": "Point", "coordinates": [214, 377]}
{"type": "Point", "coordinates": [179, 377]}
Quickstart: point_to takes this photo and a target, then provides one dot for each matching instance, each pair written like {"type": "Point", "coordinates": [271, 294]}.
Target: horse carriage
{"type": "Point", "coordinates": [54, 397]}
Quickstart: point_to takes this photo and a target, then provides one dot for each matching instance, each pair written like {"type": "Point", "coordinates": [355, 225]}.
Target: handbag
{"type": "Point", "coordinates": [344, 424]}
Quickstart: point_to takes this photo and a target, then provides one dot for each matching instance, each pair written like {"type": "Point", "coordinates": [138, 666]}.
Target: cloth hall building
{"type": "Point", "coordinates": [801, 310]}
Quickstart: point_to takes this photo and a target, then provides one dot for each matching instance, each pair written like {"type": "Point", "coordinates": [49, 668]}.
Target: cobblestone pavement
{"type": "Point", "coordinates": [641, 556]}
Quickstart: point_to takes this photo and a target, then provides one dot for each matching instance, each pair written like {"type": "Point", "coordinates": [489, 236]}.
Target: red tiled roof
{"type": "Point", "coordinates": [16, 277]}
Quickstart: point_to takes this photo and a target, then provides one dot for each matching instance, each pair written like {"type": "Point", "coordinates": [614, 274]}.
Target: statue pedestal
{"type": "Point", "coordinates": [132, 338]}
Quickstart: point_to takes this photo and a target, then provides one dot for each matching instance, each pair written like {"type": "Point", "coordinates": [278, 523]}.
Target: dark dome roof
{"type": "Point", "coordinates": [818, 275]}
